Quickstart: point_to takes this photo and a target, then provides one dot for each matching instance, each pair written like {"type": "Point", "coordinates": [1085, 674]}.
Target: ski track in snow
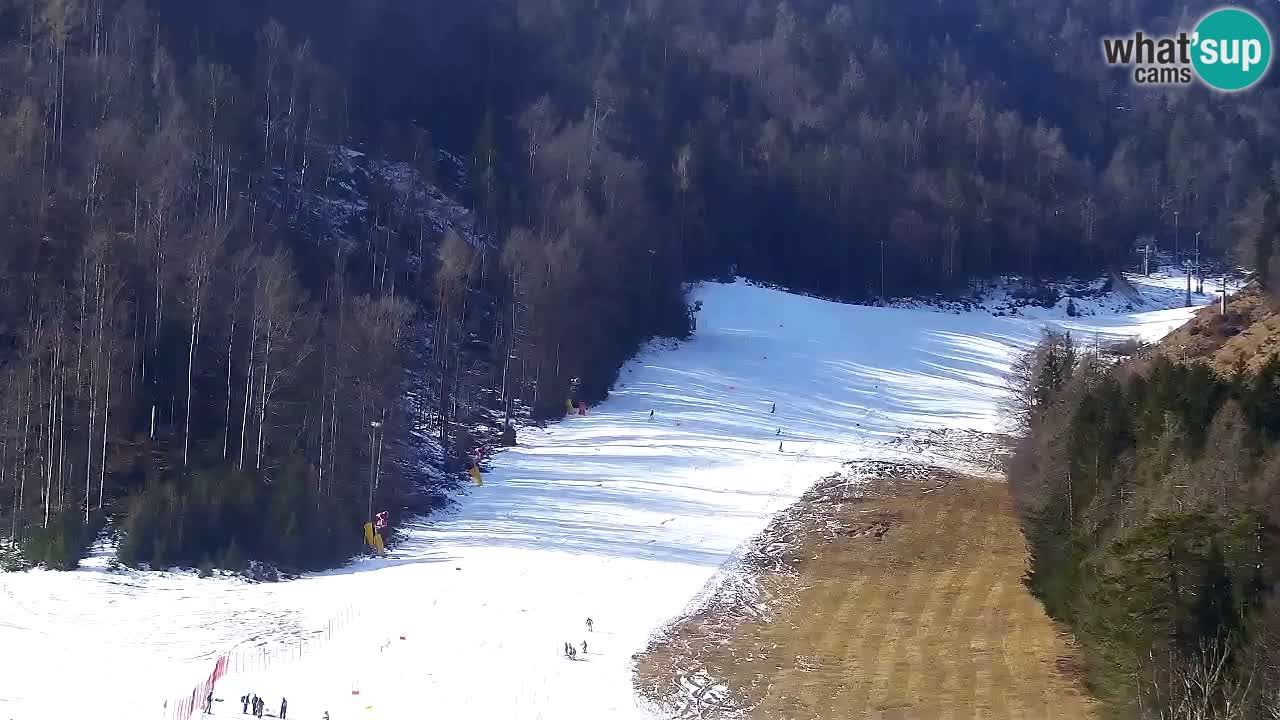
{"type": "Point", "coordinates": [611, 516]}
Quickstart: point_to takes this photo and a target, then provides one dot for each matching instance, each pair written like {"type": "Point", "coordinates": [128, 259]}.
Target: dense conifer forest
{"type": "Point", "coordinates": [1148, 493]}
{"type": "Point", "coordinates": [240, 310]}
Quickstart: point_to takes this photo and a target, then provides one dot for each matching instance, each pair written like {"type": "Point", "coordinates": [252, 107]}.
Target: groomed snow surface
{"type": "Point", "coordinates": [612, 516]}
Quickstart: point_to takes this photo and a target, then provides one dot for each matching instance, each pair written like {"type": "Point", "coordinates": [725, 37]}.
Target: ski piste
{"type": "Point", "coordinates": [613, 515]}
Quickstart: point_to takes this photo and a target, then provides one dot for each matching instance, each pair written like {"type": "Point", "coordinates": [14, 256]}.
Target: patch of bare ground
{"type": "Point", "coordinates": [888, 591]}
{"type": "Point", "coordinates": [1246, 336]}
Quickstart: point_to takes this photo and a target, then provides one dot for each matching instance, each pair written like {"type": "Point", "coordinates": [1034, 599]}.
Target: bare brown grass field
{"type": "Point", "coordinates": [894, 597]}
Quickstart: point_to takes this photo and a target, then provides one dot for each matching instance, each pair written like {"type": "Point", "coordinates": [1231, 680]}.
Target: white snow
{"type": "Point", "coordinates": [610, 516]}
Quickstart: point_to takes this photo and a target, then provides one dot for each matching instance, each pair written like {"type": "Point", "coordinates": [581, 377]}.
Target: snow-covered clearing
{"type": "Point", "coordinates": [613, 516]}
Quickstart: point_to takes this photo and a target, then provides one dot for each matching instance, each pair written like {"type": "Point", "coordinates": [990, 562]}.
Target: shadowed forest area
{"type": "Point", "coordinates": [849, 148]}
{"type": "Point", "coordinates": [234, 321]}
{"type": "Point", "coordinates": [233, 336]}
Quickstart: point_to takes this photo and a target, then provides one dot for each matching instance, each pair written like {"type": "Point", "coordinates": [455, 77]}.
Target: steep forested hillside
{"type": "Point", "coordinates": [165, 361]}
{"type": "Point", "coordinates": [211, 298]}
{"type": "Point", "coordinates": [223, 247]}
{"type": "Point", "coordinates": [849, 147]}
{"type": "Point", "coordinates": [1148, 491]}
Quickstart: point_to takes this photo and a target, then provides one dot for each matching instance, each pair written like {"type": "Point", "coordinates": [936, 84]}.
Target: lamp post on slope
{"type": "Point", "coordinates": [1186, 267]}
{"type": "Point", "coordinates": [373, 462]}
{"type": "Point", "coordinates": [1177, 244]}
{"type": "Point", "coordinates": [1200, 274]}
{"type": "Point", "coordinates": [1192, 269]}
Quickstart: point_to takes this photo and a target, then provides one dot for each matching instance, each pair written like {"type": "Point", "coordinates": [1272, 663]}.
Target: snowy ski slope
{"type": "Point", "coordinates": [611, 516]}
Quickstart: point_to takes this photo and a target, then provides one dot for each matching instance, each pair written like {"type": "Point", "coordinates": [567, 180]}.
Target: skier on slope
{"type": "Point", "coordinates": [773, 408]}
{"type": "Point", "coordinates": [590, 625]}
{"type": "Point", "coordinates": [244, 704]}
{"type": "Point", "coordinates": [584, 647]}
{"type": "Point", "coordinates": [650, 414]}
{"type": "Point", "coordinates": [284, 707]}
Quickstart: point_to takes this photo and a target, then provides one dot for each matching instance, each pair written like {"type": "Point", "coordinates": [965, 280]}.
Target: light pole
{"type": "Point", "coordinates": [1199, 275]}
{"type": "Point", "coordinates": [1186, 267]}
{"type": "Point", "coordinates": [883, 300]}
{"type": "Point", "coordinates": [1177, 245]}
{"type": "Point", "coordinates": [1186, 262]}
{"type": "Point", "coordinates": [649, 287]}
{"type": "Point", "coordinates": [373, 462]}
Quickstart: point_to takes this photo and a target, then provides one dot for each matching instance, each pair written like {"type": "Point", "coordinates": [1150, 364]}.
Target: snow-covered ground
{"type": "Point", "coordinates": [1165, 287]}
{"type": "Point", "coordinates": [612, 516]}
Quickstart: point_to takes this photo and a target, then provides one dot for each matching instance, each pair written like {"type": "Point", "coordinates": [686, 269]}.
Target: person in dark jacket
{"type": "Point", "coordinates": [244, 704]}
{"type": "Point", "coordinates": [284, 707]}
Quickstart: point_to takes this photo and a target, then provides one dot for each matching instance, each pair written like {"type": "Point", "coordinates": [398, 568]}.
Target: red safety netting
{"type": "Point", "coordinates": [254, 659]}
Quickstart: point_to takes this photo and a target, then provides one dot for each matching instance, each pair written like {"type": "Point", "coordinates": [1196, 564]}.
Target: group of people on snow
{"type": "Point", "coordinates": [570, 651]}
{"type": "Point", "coordinates": [251, 702]}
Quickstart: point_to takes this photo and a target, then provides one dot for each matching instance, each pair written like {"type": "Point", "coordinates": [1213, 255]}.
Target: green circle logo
{"type": "Point", "coordinates": [1232, 49]}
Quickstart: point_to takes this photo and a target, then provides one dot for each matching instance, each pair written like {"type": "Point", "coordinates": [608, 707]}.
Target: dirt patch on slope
{"type": "Point", "coordinates": [1246, 336]}
{"type": "Point", "coordinates": [888, 591]}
